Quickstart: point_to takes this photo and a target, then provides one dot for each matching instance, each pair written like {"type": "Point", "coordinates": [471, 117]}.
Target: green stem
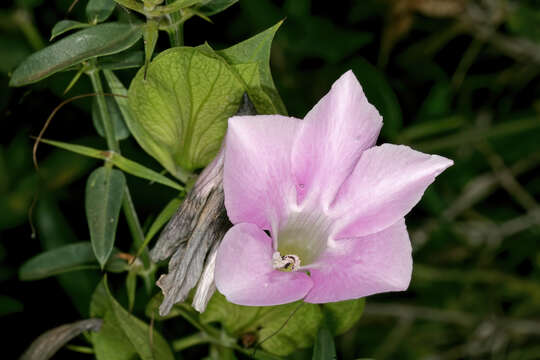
{"type": "Point", "coordinates": [108, 127]}
{"type": "Point", "coordinates": [23, 18]}
{"type": "Point", "coordinates": [189, 341]}
{"type": "Point", "coordinates": [127, 202]}
{"type": "Point", "coordinates": [135, 226]}
{"type": "Point", "coordinates": [176, 32]}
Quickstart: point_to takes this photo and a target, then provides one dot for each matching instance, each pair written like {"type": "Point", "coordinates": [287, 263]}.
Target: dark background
{"type": "Point", "coordinates": [456, 78]}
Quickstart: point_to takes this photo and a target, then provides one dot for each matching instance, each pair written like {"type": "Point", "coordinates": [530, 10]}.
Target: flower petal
{"type": "Point", "coordinates": [257, 176]}
{"type": "Point", "coordinates": [244, 272]}
{"type": "Point", "coordinates": [384, 186]}
{"type": "Point", "coordinates": [333, 135]}
{"type": "Point", "coordinates": [359, 267]}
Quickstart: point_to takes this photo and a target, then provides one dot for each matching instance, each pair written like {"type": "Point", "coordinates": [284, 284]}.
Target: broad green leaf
{"type": "Point", "coordinates": [121, 132]}
{"type": "Point", "coordinates": [64, 26]}
{"type": "Point", "coordinates": [122, 335]}
{"type": "Point", "coordinates": [213, 7]}
{"type": "Point", "coordinates": [9, 305]}
{"type": "Point", "coordinates": [381, 95]}
{"type": "Point", "coordinates": [54, 232]}
{"type": "Point", "coordinates": [341, 316]}
{"type": "Point", "coordinates": [300, 330]}
{"type": "Point", "coordinates": [124, 60]}
{"type": "Point", "coordinates": [99, 10]}
{"type": "Point", "coordinates": [60, 260]}
{"type": "Point", "coordinates": [180, 112]}
{"type": "Point", "coordinates": [257, 50]}
{"type": "Point", "coordinates": [99, 40]}
{"type": "Point", "coordinates": [324, 349]}
{"type": "Point", "coordinates": [129, 166]}
{"type": "Point", "coordinates": [104, 193]}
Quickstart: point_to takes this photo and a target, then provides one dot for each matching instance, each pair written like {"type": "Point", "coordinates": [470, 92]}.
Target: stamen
{"type": "Point", "coordinates": [289, 262]}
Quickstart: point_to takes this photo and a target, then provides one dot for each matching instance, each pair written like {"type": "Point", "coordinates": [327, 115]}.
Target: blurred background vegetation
{"type": "Point", "coordinates": [454, 77]}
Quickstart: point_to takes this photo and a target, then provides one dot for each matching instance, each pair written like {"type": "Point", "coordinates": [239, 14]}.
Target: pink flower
{"type": "Point", "coordinates": [318, 209]}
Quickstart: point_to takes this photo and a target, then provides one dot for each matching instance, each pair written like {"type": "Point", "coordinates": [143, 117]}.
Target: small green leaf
{"type": "Point", "coordinates": [99, 40]}
{"type": "Point", "coordinates": [123, 336]}
{"type": "Point", "coordinates": [257, 50]}
{"type": "Point", "coordinates": [131, 287]}
{"type": "Point", "coordinates": [124, 60]}
{"type": "Point", "coordinates": [150, 35]}
{"type": "Point", "coordinates": [163, 217]}
{"type": "Point", "coordinates": [121, 132]}
{"type": "Point", "coordinates": [180, 112]}
{"type": "Point", "coordinates": [324, 349]}
{"type": "Point", "coordinates": [64, 26]}
{"type": "Point", "coordinates": [341, 316]}
{"type": "Point", "coordinates": [129, 166]}
{"type": "Point", "coordinates": [213, 7]}
{"type": "Point", "coordinates": [99, 10]}
{"type": "Point", "coordinates": [8, 305]}
{"type": "Point", "coordinates": [104, 193]}
{"type": "Point", "coordinates": [301, 323]}
{"type": "Point", "coordinates": [60, 260]}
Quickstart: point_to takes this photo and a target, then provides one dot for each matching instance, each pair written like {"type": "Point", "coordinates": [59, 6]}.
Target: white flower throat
{"type": "Point", "coordinates": [285, 263]}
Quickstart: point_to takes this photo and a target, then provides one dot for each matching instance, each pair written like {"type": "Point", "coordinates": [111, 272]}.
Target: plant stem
{"type": "Point", "coordinates": [127, 202]}
{"type": "Point", "coordinates": [108, 127]}
{"type": "Point", "coordinates": [176, 34]}
{"type": "Point", "coordinates": [189, 341]}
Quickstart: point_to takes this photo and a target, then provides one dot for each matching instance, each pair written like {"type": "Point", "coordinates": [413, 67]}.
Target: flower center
{"type": "Point", "coordinates": [305, 235]}
{"type": "Point", "coordinates": [285, 263]}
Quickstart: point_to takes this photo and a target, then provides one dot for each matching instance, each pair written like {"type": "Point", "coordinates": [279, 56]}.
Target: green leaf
{"type": "Point", "coordinates": [129, 166]}
{"type": "Point", "coordinates": [163, 217]}
{"type": "Point", "coordinates": [121, 132]}
{"type": "Point", "coordinates": [523, 21]}
{"type": "Point", "coordinates": [257, 50]}
{"type": "Point", "coordinates": [60, 260]}
{"type": "Point", "coordinates": [180, 112]}
{"type": "Point", "coordinates": [300, 329]}
{"type": "Point", "coordinates": [8, 305]}
{"type": "Point", "coordinates": [213, 7]}
{"type": "Point", "coordinates": [325, 349]}
{"type": "Point", "coordinates": [99, 10]}
{"type": "Point", "coordinates": [48, 343]}
{"type": "Point", "coordinates": [123, 336]}
{"type": "Point", "coordinates": [124, 60]}
{"type": "Point", "coordinates": [104, 193]}
{"type": "Point", "coordinates": [64, 26]}
{"type": "Point", "coordinates": [99, 40]}
{"type": "Point", "coordinates": [150, 35]}
{"type": "Point", "coordinates": [317, 37]}
{"type": "Point", "coordinates": [341, 316]}
{"type": "Point", "coordinates": [54, 232]}
{"type": "Point", "coordinates": [381, 95]}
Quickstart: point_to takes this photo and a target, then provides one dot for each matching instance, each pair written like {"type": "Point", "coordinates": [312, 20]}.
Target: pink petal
{"type": "Point", "coordinates": [333, 135]}
{"type": "Point", "coordinates": [384, 186]}
{"type": "Point", "coordinates": [363, 266]}
{"type": "Point", "coordinates": [257, 176]}
{"type": "Point", "coordinates": [244, 272]}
